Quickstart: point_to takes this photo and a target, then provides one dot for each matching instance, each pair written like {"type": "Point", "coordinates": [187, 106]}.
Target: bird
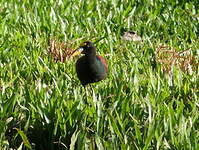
{"type": "Point", "coordinates": [91, 67]}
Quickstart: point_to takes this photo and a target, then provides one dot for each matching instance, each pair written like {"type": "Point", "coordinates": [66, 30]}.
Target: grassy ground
{"type": "Point", "coordinates": [138, 106]}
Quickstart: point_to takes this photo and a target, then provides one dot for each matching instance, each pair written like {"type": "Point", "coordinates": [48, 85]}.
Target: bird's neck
{"type": "Point", "coordinates": [92, 54]}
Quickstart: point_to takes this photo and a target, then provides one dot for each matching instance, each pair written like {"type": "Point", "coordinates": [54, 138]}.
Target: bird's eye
{"type": "Point", "coordinates": [83, 44]}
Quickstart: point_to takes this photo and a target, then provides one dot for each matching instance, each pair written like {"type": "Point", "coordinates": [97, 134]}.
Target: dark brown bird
{"type": "Point", "coordinates": [90, 68]}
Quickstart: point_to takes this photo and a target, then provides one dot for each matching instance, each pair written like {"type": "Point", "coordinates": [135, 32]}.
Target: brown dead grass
{"type": "Point", "coordinates": [61, 51]}
{"type": "Point", "coordinates": [169, 57]}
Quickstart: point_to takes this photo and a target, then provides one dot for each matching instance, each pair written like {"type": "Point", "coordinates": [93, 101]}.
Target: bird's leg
{"type": "Point", "coordinates": [91, 90]}
{"type": "Point", "coordinates": [86, 94]}
{"type": "Point", "coordinates": [94, 96]}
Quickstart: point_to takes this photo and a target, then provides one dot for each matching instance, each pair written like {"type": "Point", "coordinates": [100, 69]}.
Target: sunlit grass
{"type": "Point", "coordinates": [138, 106]}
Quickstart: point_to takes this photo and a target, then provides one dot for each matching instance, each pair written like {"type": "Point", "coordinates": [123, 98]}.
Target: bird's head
{"type": "Point", "coordinates": [86, 48]}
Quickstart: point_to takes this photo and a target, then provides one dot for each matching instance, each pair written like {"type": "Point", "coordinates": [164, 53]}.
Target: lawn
{"type": "Point", "coordinates": [149, 100]}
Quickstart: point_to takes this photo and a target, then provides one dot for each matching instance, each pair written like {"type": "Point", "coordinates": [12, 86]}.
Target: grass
{"type": "Point", "coordinates": [138, 106]}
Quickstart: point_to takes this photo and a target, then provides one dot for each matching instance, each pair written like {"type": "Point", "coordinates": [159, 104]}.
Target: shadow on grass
{"type": "Point", "coordinates": [39, 136]}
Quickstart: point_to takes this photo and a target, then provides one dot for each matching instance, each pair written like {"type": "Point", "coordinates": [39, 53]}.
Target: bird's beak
{"type": "Point", "coordinates": [77, 51]}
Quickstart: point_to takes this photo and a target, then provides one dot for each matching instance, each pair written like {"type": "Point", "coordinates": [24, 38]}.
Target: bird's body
{"type": "Point", "coordinates": [91, 68]}
{"type": "Point", "coordinates": [90, 71]}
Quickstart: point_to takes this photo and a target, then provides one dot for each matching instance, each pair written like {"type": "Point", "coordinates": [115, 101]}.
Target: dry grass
{"type": "Point", "coordinates": [61, 51]}
{"type": "Point", "coordinates": [169, 57]}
